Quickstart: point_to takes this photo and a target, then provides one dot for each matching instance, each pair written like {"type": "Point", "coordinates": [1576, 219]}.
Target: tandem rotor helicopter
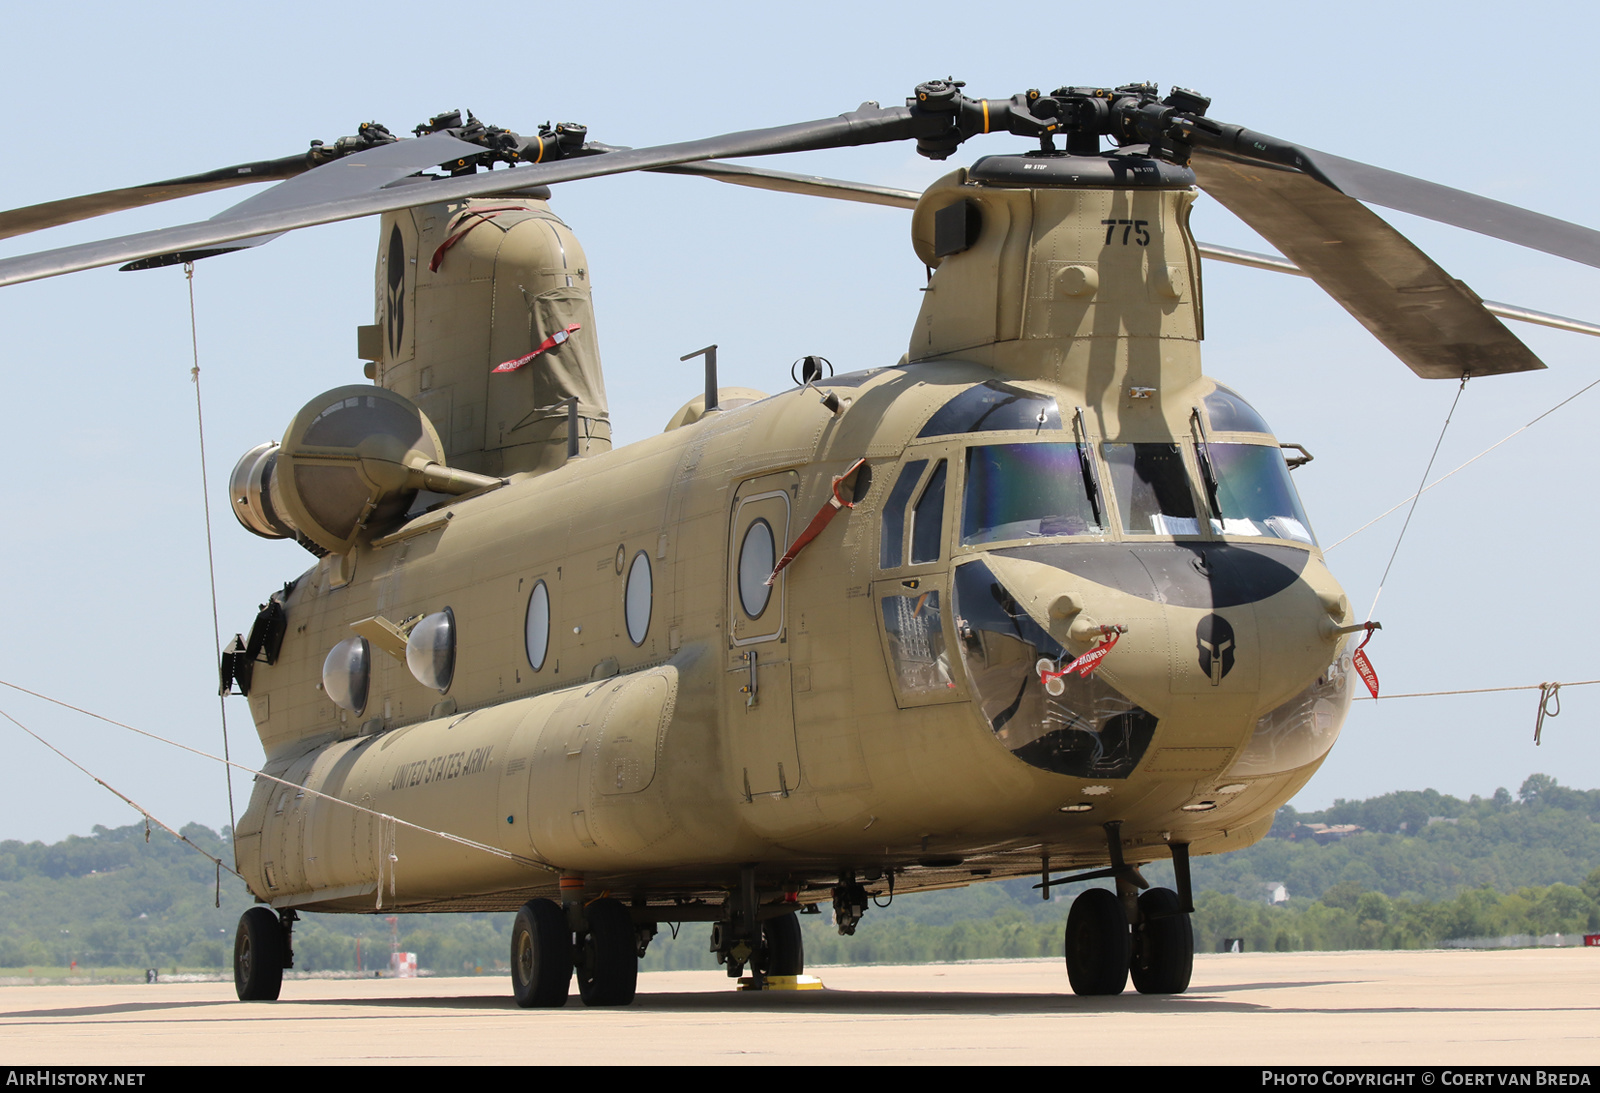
{"type": "Point", "coordinates": [1040, 598]}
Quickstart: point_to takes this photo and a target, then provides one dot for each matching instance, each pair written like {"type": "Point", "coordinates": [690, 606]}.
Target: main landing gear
{"type": "Point", "coordinates": [1112, 935]}
{"type": "Point", "coordinates": [262, 948]}
{"type": "Point", "coordinates": [603, 950]}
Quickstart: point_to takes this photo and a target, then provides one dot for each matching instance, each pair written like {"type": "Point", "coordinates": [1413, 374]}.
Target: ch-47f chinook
{"type": "Point", "coordinates": [1039, 598]}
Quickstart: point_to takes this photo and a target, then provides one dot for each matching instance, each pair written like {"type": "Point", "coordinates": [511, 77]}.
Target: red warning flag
{"type": "Point", "coordinates": [1364, 669]}
{"type": "Point", "coordinates": [1084, 665]}
{"type": "Point", "coordinates": [549, 343]}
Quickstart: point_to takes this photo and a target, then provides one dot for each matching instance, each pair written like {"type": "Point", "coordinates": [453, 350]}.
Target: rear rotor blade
{"type": "Point", "coordinates": [811, 185]}
{"type": "Point", "coordinates": [51, 214]}
{"type": "Point", "coordinates": [1435, 324]}
{"type": "Point", "coordinates": [360, 173]}
{"type": "Point", "coordinates": [864, 126]}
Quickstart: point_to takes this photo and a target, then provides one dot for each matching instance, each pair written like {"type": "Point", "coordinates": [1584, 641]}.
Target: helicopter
{"type": "Point", "coordinates": [876, 633]}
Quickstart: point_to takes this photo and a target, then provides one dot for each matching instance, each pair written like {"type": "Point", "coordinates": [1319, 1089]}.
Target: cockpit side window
{"type": "Point", "coordinates": [893, 546]}
{"type": "Point", "coordinates": [927, 519]}
{"type": "Point", "coordinates": [1151, 485]}
{"type": "Point", "coordinates": [993, 406]}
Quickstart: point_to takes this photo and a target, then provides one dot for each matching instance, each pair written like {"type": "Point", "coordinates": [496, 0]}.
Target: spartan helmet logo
{"type": "Point", "coordinates": [1214, 638]}
{"type": "Point", "coordinates": [395, 300]}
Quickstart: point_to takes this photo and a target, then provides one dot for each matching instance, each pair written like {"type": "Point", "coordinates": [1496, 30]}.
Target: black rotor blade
{"type": "Point", "coordinates": [51, 214]}
{"type": "Point", "coordinates": [1274, 263]}
{"type": "Point", "coordinates": [1434, 323]}
{"type": "Point", "coordinates": [864, 126]}
{"type": "Point", "coordinates": [1460, 209]}
{"type": "Point", "coordinates": [360, 173]}
{"type": "Point", "coordinates": [1403, 193]}
{"type": "Point", "coordinates": [784, 182]}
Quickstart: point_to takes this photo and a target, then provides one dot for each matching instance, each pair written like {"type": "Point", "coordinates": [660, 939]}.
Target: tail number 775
{"type": "Point", "coordinates": [1139, 229]}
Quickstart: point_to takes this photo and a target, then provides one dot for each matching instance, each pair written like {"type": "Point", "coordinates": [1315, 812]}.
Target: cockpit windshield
{"type": "Point", "coordinates": [1254, 494]}
{"type": "Point", "coordinates": [1028, 491]}
{"type": "Point", "coordinates": [1152, 489]}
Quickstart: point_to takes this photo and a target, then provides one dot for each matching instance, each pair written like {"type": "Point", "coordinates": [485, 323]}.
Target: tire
{"type": "Point", "coordinates": [541, 955]}
{"type": "Point", "coordinates": [608, 960]}
{"type": "Point", "coordinates": [784, 946]}
{"type": "Point", "coordinates": [258, 952]}
{"type": "Point", "coordinates": [1097, 943]}
{"type": "Point", "coordinates": [1163, 948]}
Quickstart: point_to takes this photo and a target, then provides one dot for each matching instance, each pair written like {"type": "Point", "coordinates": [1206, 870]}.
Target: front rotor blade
{"type": "Point", "coordinates": [864, 126]}
{"type": "Point", "coordinates": [1276, 264]}
{"type": "Point", "coordinates": [1402, 193]}
{"type": "Point", "coordinates": [1459, 209]}
{"type": "Point", "coordinates": [838, 189]}
{"type": "Point", "coordinates": [1435, 324]}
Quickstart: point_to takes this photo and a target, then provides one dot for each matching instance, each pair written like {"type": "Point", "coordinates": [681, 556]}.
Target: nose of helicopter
{"type": "Point", "coordinates": [1209, 638]}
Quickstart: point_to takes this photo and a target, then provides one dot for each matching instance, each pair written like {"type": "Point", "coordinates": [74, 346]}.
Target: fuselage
{"type": "Point", "coordinates": [886, 704]}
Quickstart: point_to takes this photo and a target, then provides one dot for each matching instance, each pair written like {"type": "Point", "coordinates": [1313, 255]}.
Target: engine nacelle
{"type": "Point", "coordinates": [350, 464]}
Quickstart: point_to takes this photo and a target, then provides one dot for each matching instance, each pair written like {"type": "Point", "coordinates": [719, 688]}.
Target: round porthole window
{"type": "Point", "coordinates": [757, 556]}
{"type": "Point", "coordinates": [431, 650]}
{"type": "Point", "coordinates": [636, 600]}
{"type": "Point", "coordinates": [346, 672]}
{"type": "Point", "coordinates": [538, 625]}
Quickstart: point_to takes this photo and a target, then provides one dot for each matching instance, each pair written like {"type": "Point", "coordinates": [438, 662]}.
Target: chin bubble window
{"type": "Point", "coordinates": [346, 673]}
{"type": "Point", "coordinates": [431, 650]}
{"type": "Point", "coordinates": [636, 600]}
{"type": "Point", "coordinates": [538, 626]}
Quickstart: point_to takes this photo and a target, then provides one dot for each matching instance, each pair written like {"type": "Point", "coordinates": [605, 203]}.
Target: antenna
{"type": "Point", "coordinates": [710, 354]}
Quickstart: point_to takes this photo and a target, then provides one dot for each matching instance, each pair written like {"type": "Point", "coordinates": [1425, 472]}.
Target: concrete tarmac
{"type": "Point", "coordinates": [1453, 1008]}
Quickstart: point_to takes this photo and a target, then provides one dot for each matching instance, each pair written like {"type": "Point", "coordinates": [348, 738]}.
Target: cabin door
{"type": "Point", "coordinates": [757, 696]}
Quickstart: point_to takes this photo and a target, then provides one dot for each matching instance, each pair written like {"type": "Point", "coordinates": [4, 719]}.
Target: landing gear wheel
{"type": "Point", "coordinates": [1097, 943]}
{"type": "Point", "coordinates": [258, 952]}
{"type": "Point", "coordinates": [783, 945]}
{"type": "Point", "coordinates": [1163, 944]}
{"type": "Point", "coordinates": [541, 955]}
{"type": "Point", "coordinates": [608, 956]}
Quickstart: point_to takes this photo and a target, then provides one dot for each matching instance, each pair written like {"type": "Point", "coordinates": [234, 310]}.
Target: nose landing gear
{"type": "Point", "coordinates": [1163, 944]}
{"type": "Point", "coordinates": [1097, 943]}
{"type": "Point", "coordinates": [1102, 950]}
{"type": "Point", "coordinates": [1110, 935]}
